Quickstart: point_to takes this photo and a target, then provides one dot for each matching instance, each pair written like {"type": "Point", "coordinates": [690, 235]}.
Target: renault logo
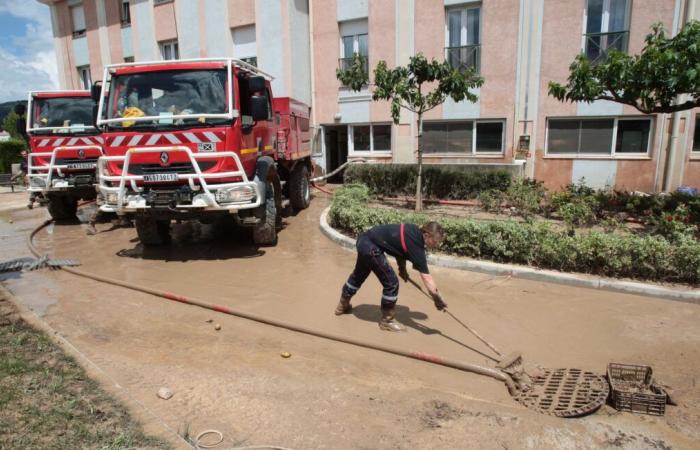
{"type": "Point", "coordinates": [164, 159]}
{"type": "Point", "coordinates": [81, 153]}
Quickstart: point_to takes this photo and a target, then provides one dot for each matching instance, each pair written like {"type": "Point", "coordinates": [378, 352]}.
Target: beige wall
{"type": "Point", "coordinates": [165, 25]}
{"type": "Point", "coordinates": [241, 12]}
{"type": "Point", "coordinates": [326, 48]}
{"type": "Point", "coordinates": [382, 46]}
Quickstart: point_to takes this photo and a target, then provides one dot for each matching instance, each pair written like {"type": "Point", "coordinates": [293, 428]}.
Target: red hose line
{"type": "Point", "coordinates": [494, 373]}
{"type": "Point", "coordinates": [325, 191]}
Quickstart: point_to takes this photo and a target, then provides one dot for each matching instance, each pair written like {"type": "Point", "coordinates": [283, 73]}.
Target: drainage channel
{"type": "Point", "coordinates": [548, 395]}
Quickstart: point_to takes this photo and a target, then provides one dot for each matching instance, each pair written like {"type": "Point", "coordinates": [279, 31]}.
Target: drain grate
{"type": "Point", "coordinates": [565, 392]}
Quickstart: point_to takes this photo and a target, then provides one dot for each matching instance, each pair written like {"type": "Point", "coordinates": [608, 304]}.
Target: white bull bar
{"type": "Point", "coordinates": [44, 173]}
{"type": "Point", "coordinates": [205, 194]}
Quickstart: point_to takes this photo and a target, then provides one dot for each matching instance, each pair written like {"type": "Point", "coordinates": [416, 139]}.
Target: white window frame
{"type": "Point", "coordinates": [463, 32]}
{"type": "Point", "coordinates": [77, 32]}
{"type": "Point", "coordinates": [250, 56]}
{"type": "Point", "coordinates": [372, 151]}
{"type": "Point", "coordinates": [174, 49]}
{"type": "Point", "coordinates": [354, 29]}
{"type": "Point", "coordinates": [605, 20]}
{"type": "Point", "coordinates": [613, 145]}
{"type": "Point", "coordinates": [473, 152]}
{"type": "Point", "coordinates": [125, 19]}
{"type": "Point", "coordinates": [84, 76]}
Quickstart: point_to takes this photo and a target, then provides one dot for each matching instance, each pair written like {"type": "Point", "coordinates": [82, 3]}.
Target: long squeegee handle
{"type": "Point", "coordinates": [472, 331]}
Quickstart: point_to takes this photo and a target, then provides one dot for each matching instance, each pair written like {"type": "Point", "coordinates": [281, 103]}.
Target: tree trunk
{"type": "Point", "coordinates": [419, 181]}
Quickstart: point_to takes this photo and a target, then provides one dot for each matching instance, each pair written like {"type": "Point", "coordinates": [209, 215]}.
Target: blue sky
{"type": "Point", "coordinates": [27, 56]}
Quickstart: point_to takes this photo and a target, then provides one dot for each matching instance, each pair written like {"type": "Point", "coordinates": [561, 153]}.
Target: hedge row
{"type": "Point", "coordinates": [537, 244]}
{"type": "Point", "coordinates": [438, 182]}
{"type": "Point", "coordinates": [10, 153]}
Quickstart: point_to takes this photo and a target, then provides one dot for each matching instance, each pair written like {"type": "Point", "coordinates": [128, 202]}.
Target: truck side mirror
{"type": "Point", "coordinates": [96, 91]}
{"type": "Point", "coordinates": [20, 109]}
{"type": "Point", "coordinates": [256, 84]}
{"type": "Point", "coordinates": [260, 107]}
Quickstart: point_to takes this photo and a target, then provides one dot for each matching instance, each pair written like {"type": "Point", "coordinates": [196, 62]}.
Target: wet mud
{"type": "Point", "coordinates": [331, 395]}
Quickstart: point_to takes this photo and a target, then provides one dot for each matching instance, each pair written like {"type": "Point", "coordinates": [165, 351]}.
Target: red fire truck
{"type": "Point", "coordinates": [200, 140]}
{"type": "Point", "coordinates": [65, 146]}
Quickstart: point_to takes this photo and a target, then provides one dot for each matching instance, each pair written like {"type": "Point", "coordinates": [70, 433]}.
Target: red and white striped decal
{"type": "Point", "coordinates": [150, 140]}
{"type": "Point", "coordinates": [65, 142]}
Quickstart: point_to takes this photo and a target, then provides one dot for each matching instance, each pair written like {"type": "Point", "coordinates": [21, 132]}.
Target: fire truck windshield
{"type": "Point", "coordinates": [167, 99]}
{"type": "Point", "coordinates": [62, 115]}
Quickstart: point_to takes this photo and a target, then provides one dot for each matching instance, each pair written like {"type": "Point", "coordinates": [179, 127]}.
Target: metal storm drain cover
{"type": "Point", "coordinates": [565, 392]}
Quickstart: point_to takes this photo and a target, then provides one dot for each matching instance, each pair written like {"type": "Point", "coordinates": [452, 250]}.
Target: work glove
{"type": "Point", "coordinates": [439, 302]}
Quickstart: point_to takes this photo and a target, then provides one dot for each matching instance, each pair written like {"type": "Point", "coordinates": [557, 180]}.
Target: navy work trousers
{"type": "Point", "coordinates": [371, 258]}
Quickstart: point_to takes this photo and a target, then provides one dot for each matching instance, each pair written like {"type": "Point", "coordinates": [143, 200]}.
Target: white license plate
{"type": "Point", "coordinates": [82, 166]}
{"type": "Point", "coordinates": [160, 177]}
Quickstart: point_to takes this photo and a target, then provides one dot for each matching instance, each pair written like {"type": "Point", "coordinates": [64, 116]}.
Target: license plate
{"type": "Point", "coordinates": [160, 177]}
{"type": "Point", "coordinates": [82, 166]}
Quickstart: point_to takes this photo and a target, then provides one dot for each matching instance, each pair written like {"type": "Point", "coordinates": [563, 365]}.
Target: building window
{"type": "Point", "coordinates": [128, 59]}
{"type": "Point", "coordinates": [369, 138]}
{"type": "Point", "coordinates": [161, 2]}
{"type": "Point", "coordinates": [696, 136]}
{"type": "Point", "coordinates": [84, 76]}
{"type": "Point", "coordinates": [462, 38]}
{"type": "Point", "coordinates": [244, 44]}
{"type": "Point", "coordinates": [466, 137]}
{"type": "Point", "coordinates": [125, 13]}
{"type": "Point", "coordinates": [599, 136]}
{"type": "Point", "coordinates": [607, 28]}
{"type": "Point", "coordinates": [77, 14]}
{"type": "Point", "coordinates": [354, 39]}
{"type": "Point", "coordinates": [169, 50]}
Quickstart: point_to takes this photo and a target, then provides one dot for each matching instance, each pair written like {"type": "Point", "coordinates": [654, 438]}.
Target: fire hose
{"type": "Point", "coordinates": [487, 371]}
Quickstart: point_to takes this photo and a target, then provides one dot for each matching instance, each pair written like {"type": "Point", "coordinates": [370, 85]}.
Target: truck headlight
{"type": "Point", "coordinates": [112, 198]}
{"type": "Point", "coordinates": [236, 194]}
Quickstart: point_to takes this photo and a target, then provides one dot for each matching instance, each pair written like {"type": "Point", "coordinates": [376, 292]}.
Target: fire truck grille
{"type": "Point", "coordinates": [62, 161]}
{"type": "Point", "coordinates": [143, 169]}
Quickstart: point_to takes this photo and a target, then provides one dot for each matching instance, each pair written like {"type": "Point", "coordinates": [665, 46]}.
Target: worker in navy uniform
{"type": "Point", "coordinates": [405, 242]}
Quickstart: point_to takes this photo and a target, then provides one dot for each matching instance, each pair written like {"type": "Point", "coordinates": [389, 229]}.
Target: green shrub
{"type": "Point", "coordinates": [537, 244]}
{"type": "Point", "coordinates": [438, 182]}
{"type": "Point", "coordinates": [525, 196]}
{"type": "Point", "coordinates": [490, 200]}
{"type": "Point", "coordinates": [9, 154]}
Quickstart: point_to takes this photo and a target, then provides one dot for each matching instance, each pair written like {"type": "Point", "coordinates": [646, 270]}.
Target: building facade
{"type": "Point", "coordinates": [518, 46]}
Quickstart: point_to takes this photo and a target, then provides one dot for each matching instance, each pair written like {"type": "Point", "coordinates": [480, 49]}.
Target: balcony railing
{"type": "Point", "coordinates": [464, 58]}
{"type": "Point", "coordinates": [346, 63]}
{"type": "Point", "coordinates": [599, 45]}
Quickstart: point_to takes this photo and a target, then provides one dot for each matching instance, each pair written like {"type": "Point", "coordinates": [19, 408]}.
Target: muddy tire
{"type": "Point", "coordinates": [62, 208]}
{"type": "Point", "coordinates": [299, 189]}
{"type": "Point", "coordinates": [152, 232]}
{"type": "Point", "coordinates": [265, 232]}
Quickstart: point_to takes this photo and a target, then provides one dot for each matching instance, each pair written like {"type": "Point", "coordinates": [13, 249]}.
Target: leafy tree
{"type": "Point", "coordinates": [418, 87]}
{"type": "Point", "coordinates": [651, 82]}
{"type": "Point", "coordinates": [10, 125]}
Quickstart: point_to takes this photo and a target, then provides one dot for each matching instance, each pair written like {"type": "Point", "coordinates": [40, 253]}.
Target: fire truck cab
{"type": "Point", "coordinates": [65, 146]}
{"type": "Point", "coordinates": [200, 139]}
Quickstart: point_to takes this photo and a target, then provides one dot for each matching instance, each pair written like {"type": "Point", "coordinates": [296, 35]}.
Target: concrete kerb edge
{"type": "Point", "coordinates": [529, 273]}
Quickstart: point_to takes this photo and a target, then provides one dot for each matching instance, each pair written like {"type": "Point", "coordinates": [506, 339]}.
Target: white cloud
{"type": "Point", "coordinates": [31, 64]}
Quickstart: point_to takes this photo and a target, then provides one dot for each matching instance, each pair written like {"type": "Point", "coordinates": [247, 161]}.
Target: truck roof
{"type": "Point", "coordinates": [58, 94]}
{"type": "Point", "coordinates": [184, 64]}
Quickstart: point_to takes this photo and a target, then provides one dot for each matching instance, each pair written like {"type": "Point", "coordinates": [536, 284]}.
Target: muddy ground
{"type": "Point", "coordinates": [329, 395]}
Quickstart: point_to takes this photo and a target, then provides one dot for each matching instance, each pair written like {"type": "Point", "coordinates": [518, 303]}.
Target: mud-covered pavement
{"type": "Point", "coordinates": [332, 395]}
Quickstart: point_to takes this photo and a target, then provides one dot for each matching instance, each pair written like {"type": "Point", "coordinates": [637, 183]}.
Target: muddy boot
{"type": "Point", "coordinates": [344, 306]}
{"type": "Point", "coordinates": [387, 323]}
{"type": "Point", "coordinates": [91, 230]}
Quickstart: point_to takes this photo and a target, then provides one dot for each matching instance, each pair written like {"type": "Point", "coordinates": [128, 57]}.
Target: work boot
{"type": "Point", "coordinates": [387, 323]}
{"type": "Point", "coordinates": [344, 306]}
{"type": "Point", "coordinates": [91, 230]}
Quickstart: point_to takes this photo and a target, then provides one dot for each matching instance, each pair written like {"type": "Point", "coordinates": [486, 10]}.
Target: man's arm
{"type": "Point", "coordinates": [433, 291]}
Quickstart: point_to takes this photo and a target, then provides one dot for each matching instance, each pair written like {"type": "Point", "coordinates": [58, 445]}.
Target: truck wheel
{"type": "Point", "coordinates": [265, 232]}
{"type": "Point", "coordinates": [152, 231]}
{"type": "Point", "coordinates": [62, 207]}
{"type": "Point", "coordinates": [299, 192]}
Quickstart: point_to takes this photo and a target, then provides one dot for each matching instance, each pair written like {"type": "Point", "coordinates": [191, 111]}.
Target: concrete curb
{"type": "Point", "coordinates": [529, 273]}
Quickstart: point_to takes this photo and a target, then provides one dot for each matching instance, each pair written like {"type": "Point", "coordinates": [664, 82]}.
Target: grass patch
{"type": "Point", "coordinates": [48, 402]}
